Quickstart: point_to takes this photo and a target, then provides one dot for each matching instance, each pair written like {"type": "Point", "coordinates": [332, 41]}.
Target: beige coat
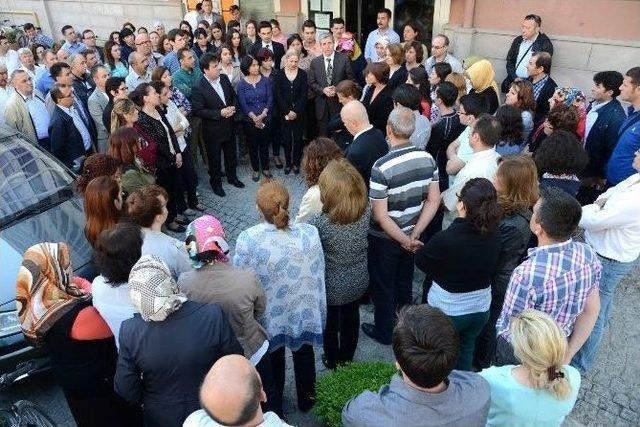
{"type": "Point", "coordinates": [17, 115]}
{"type": "Point", "coordinates": [238, 292]}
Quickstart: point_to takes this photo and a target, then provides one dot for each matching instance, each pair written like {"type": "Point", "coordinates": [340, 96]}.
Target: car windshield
{"type": "Point", "coordinates": [30, 179]}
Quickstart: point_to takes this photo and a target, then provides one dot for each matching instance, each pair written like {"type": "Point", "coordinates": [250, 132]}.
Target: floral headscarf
{"type": "Point", "coordinates": [206, 234]}
{"type": "Point", "coordinates": [153, 291]}
{"type": "Point", "coordinates": [482, 76]}
{"type": "Point", "coordinates": [570, 95]}
{"type": "Point", "coordinates": [45, 291]}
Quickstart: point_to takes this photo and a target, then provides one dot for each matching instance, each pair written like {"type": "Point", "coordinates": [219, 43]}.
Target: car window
{"type": "Point", "coordinates": [29, 178]}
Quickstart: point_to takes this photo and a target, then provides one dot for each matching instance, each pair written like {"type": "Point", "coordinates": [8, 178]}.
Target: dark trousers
{"type": "Point", "coordinates": [304, 368]}
{"type": "Point", "coordinates": [188, 181]}
{"type": "Point", "coordinates": [323, 123]}
{"type": "Point", "coordinates": [276, 136]}
{"type": "Point", "coordinates": [215, 149]}
{"type": "Point", "coordinates": [486, 343]}
{"type": "Point", "coordinates": [166, 178]}
{"type": "Point", "coordinates": [274, 398]}
{"type": "Point", "coordinates": [390, 282]}
{"type": "Point", "coordinates": [468, 327]}
{"type": "Point", "coordinates": [504, 353]}
{"type": "Point", "coordinates": [258, 145]}
{"type": "Point", "coordinates": [102, 408]}
{"type": "Point", "coordinates": [341, 333]}
{"type": "Point", "coordinates": [291, 141]}
{"type": "Point", "coordinates": [311, 121]}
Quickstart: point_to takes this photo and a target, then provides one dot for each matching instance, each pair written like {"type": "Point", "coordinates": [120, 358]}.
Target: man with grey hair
{"type": "Point", "coordinates": [63, 55]}
{"type": "Point", "coordinates": [26, 110]}
{"type": "Point", "coordinates": [82, 88]}
{"type": "Point", "coordinates": [368, 142]}
{"type": "Point", "coordinates": [138, 71]}
{"type": "Point", "coordinates": [440, 53]}
{"type": "Point", "coordinates": [405, 195]}
{"type": "Point", "coordinates": [144, 48]}
{"type": "Point", "coordinates": [98, 101]}
{"type": "Point", "coordinates": [325, 72]}
{"type": "Point", "coordinates": [28, 64]}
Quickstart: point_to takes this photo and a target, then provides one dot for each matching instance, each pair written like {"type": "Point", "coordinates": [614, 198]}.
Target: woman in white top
{"type": "Point", "coordinates": [147, 207]}
{"type": "Point", "coordinates": [317, 156]}
{"type": "Point", "coordinates": [117, 249]}
{"type": "Point", "coordinates": [612, 227]}
{"type": "Point", "coordinates": [540, 391]}
{"type": "Point", "coordinates": [228, 67]}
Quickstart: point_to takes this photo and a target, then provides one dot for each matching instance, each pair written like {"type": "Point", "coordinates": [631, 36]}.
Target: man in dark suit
{"type": "Point", "coordinates": [325, 72]}
{"type": "Point", "coordinates": [544, 86]}
{"type": "Point", "coordinates": [368, 144]}
{"type": "Point", "coordinates": [70, 137]}
{"type": "Point", "coordinates": [523, 48]}
{"type": "Point", "coordinates": [214, 101]}
{"type": "Point", "coordinates": [604, 118]}
{"type": "Point", "coordinates": [265, 33]}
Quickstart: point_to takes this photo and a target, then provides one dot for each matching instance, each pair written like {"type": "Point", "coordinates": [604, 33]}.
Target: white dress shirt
{"type": "Point", "coordinates": [133, 79]}
{"type": "Point", "coordinates": [614, 230]}
{"type": "Point", "coordinates": [215, 84]}
{"type": "Point", "coordinates": [592, 116]}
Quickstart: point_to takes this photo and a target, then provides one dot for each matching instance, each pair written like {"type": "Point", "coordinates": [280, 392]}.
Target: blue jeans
{"type": "Point", "coordinates": [612, 273]}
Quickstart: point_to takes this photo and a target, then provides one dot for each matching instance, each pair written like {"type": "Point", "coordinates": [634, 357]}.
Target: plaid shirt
{"type": "Point", "coordinates": [537, 87]}
{"type": "Point", "coordinates": [43, 40]}
{"type": "Point", "coordinates": [555, 279]}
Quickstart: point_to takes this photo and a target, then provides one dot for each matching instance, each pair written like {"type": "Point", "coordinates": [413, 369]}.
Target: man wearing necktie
{"type": "Point", "coordinates": [214, 101]}
{"type": "Point", "coordinates": [264, 31]}
{"type": "Point", "coordinates": [326, 71]}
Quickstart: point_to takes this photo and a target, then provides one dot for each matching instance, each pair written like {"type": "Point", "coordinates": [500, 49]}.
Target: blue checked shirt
{"type": "Point", "coordinates": [537, 87]}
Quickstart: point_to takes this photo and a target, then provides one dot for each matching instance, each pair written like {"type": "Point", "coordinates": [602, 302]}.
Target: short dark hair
{"type": "Point", "coordinates": [425, 344]}
{"type": "Point", "coordinates": [634, 73]}
{"type": "Point", "coordinates": [264, 24]}
{"type": "Point", "coordinates": [337, 20]}
{"type": "Point", "coordinates": [264, 54]}
{"type": "Point", "coordinates": [143, 204]}
{"type": "Point", "coordinates": [65, 28]}
{"type": "Point", "coordinates": [158, 86]}
{"type": "Point", "coordinates": [29, 26]}
{"type": "Point", "coordinates": [561, 153]}
{"type": "Point", "coordinates": [442, 70]}
{"type": "Point", "coordinates": [234, 7]}
{"type": "Point", "coordinates": [408, 96]}
{"type": "Point", "coordinates": [111, 85]}
{"type": "Point", "coordinates": [473, 105]}
{"type": "Point", "coordinates": [138, 94]}
{"type": "Point", "coordinates": [610, 80]}
{"type": "Point", "coordinates": [384, 10]}
{"type": "Point", "coordinates": [543, 59]}
{"type": "Point", "coordinates": [57, 68]}
{"type": "Point", "coordinates": [448, 93]}
{"type": "Point", "coordinates": [308, 24]}
{"type": "Point", "coordinates": [349, 88]}
{"type": "Point", "coordinates": [216, 25]}
{"type": "Point", "coordinates": [56, 93]}
{"type": "Point", "coordinates": [116, 251]}
{"type": "Point", "coordinates": [510, 118]}
{"type": "Point", "coordinates": [232, 24]}
{"type": "Point", "coordinates": [182, 52]}
{"type": "Point", "coordinates": [534, 17]}
{"type": "Point", "coordinates": [245, 64]}
{"type": "Point", "coordinates": [199, 32]}
{"type": "Point", "coordinates": [559, 213]}
{"type": "Point", "coordinates": [176, 32]}
{"type": "Point", "coordinates": [206, 59]}
{"type": "Point", "coordinates": [379, 70]}
{"type": "Point", "coordinates": [488, 129]}
{"type": "Point", "coordinates": [87, 31]}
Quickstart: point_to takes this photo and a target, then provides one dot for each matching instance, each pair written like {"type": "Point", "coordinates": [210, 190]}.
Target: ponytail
{"type": "Point", "coordinates": [480, 200]}
{"type": "Point", "coordinates": [273, 202]}
{"type": "Point", "coordinates": [281, 218]}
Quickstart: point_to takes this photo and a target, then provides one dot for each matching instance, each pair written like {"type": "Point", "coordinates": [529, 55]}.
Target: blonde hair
{"type": "Point", "coordinates": [459, 82]}
{"type": "Point", "coordinates": [120, 108]}
{"type": "Point", "coordinates": [342, 192]}
{"type": "Point", "coordinates": [540, 345]}
{"type": "Point", "coordinates": [518, 178]}
{"type": "Point", "coordinates": [273, 202]}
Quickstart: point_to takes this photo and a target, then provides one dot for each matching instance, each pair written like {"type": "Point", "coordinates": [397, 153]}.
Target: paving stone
{"type": "Point", "coordinates": [629, 415]}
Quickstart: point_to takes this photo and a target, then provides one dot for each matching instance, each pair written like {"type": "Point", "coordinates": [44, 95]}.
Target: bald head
{"type": "Point", "coordinates": [232, 391]}
{"type": "Point", "coordinates": [143, 44]}
{"type": "Point", "coordinates": [354, 116]}
{"type": "Point", "coordinates": [138, 62]}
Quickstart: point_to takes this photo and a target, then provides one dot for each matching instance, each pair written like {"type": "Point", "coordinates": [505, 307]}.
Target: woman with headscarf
{"type": "Point", "coordinates": [55, 311]}
{"type": "Point", "coordinates": [214, 280]}
{"type": "Point", "coordinates": [482, 77]}
{"type": "Point", "coordinates": [163, 356]}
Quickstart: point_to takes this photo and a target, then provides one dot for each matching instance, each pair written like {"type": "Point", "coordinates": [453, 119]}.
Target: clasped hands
{"type": "Point", "coordinates": [412, 243]}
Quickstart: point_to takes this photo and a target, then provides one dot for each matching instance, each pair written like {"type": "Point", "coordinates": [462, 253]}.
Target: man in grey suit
{"type": "Point", "coordinates": [325, 72]}
{"type": "Point", "coordinates": [97, 102]}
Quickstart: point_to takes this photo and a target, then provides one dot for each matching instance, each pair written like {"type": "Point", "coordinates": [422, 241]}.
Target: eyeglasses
{"type": "Point", "coordinates": [141, 43]}
{"type": "Point", "coordinates": [436, 47]}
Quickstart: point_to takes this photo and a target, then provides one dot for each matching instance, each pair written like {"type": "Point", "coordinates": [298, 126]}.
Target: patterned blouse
{"type": "Point", "coordinates": [290, 267]}
{"type": "Point", "coordinates": [180, 100]}
{"type": "Point", "coordinates": [345, 251]}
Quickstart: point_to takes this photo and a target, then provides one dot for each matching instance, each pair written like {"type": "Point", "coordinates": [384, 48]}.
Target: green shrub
{"type": "Point", "coordinates": [335, 389]}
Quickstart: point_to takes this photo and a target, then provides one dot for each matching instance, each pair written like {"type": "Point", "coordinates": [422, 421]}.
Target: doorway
{"type": "Point", "coordinates": [419, 11]}
{"type": "Point", "coordinates": [360, 17]}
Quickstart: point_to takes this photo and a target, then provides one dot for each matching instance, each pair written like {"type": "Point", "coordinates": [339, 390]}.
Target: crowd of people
{"type": "Point", "coordinates": [411, 159]}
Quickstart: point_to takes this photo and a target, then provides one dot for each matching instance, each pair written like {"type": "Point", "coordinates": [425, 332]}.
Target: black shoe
{"type": "Point", "coordinates": [223, 173]}
{"type": "Point", "coordinates": [327, 364]}
{"type": "Point", "coordinates": [306, 405]}
{"type": "Point", "coordinates": [296, 170]}
{"type": "Point", "coordinates": [219, 191]}
{"type": "Point", "coordinates": [181, 221]}
{"type": "Point", "coordinates": [236, 183]}
{"type": "Point", "coordinates": [287, 170]}
{"type": "Point", "coordinates": [255, 177]}
{"type": "Point", "coordinates": [370, 331]}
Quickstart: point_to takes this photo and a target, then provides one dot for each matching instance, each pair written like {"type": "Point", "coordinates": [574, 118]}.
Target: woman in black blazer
{"type": "Point", "coordinates": [290, 93]}
{"type": "Point", "coordinates": [397, 72]}
{"type": "Point", "coordinates": [377, 97]}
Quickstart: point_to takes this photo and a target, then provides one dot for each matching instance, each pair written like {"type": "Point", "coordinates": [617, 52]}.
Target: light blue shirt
{"type": "Point", "coordinates": [374, 36]}
{"type": "Point", "coordinates": [76, 47]}
{"type": "Point", "coordinates": [515, 405]}
{"type": "Point", "coordinates": [39, 115]}
{"type": "Point", "coordinates": [79, 124]}
{"type": "Point", "coordinates": [523, 58]}
{"type": "Point", "coordinates": [171, 62]}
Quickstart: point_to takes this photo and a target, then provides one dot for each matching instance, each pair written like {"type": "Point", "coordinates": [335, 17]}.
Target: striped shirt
{"type": "Point", "coordinates": [402, 177]}
{"type": "Point", "coordinates": [555, 279]}
{"type": "Point", "coordinates": [537, 87]}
